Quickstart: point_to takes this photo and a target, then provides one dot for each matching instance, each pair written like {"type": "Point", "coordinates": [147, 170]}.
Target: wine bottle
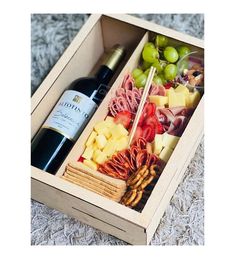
{"type": "Point", "coordinates": [70, 115]}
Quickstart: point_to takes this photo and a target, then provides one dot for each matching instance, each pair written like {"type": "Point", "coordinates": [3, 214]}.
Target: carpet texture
{"type": "Point", "coordinates": [183, 221]}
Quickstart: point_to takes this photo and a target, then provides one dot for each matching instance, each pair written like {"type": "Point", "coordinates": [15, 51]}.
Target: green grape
{"type": "Point", "coordinates": [146, 65]}
{"type": "Point", "coordinates": [162, 78]}
{"type": "Point", "coordinates": [170, 72]}
{"type": "Point", "coordinates": [149, 44]}
{"type": "Point", "coordinates": [157, 80]}
{"type": "Point", "coordinates": [183, 64]}
{"type": "Point", "coordinates": [170, 54]}
{"type": "Point", "coordinates": [140, 80]}
{"type": "Point", "coordinates": [182, 51]}
{"type": "Point", "coordinates": [159, 64]}
{"type": "Point", "coordinates": [136, 72]}
{"type": "Point", "coordinates": [161, 41]}
{"type": "Point", "coordinates": [149, 54]}
{"type": "Point", "coordinates": [146, 72]}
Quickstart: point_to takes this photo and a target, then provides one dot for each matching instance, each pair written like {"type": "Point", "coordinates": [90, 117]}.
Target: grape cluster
{"type": "Point", "coordinates": [164, 58]}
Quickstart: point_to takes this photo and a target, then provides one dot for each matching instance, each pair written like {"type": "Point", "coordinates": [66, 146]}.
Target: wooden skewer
{"type": "Point", "coordinates": [142, 102]}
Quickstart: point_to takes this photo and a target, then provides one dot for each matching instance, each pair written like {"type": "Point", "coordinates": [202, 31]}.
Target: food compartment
{"type": "Point", "coordinates": [103, 146]}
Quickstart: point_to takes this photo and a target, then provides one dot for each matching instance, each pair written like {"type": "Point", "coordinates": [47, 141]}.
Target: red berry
{"type": "Point", "coordinates": [81, 159]}
{"type": "Point", "coordinates": [148, 110]}
{"type": "Point", "coordinates": [168, 85]}
{"type": "Point", "coordinates": [148, 133]}
{"type": "Point", "coordinates": [138, 133]}
{"type": "Point", "coordinates": [154, 122]}
{"type": "Point", "coordinates": [123, 117]}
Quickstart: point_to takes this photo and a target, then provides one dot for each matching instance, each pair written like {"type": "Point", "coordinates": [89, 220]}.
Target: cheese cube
{"type": "Point", "coordinates": [182, 89]}
{"type": "Point", "coordinates": [122, 143]}
{"type": "Point", "coordinates": [100, 158]}
{"type": "Point", "coordinates": [193, 99]}
{"type": "Point", "coordinates": [90, 164]}
{"type": "Point", "coordinates": [118, 131]}
{"type": "Point", "coordinates": [170, 140]}
{"type": "Point", "coordinates": [96, 153]}
{"type": "Point", "coordinates": [101, 141]}
{"type": "Point", "coordinates": [165, 154]}
{"type": "Point", "coordinates": [110, 124]}
{"type": "Point", "coordinates": [168, 91]}
{"type": "Point", "coordinates": [110, 147]}
{"type": "Point", "coordinates": [106, 132]}
{"type": "Point", "coordinates": [158, 100]}
{"type": "Point", "coordinates": [88, 153]}
{"type": "Point", "coordinates": [157, 146]}
{"type": "Point", "coordinates": [100, 127]}
{"type": "Point", "coordinates": [109, 119]}
{"type": "Point", "coordinates": [94, 146]}
{"type": "Point", "coordinates": [91, 138]}
{"type": "Point", "coordinates": [176, 99]}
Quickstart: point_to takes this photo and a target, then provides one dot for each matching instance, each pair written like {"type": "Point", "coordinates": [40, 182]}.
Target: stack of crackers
{"type": "Point", "coordinates": [109, 187]}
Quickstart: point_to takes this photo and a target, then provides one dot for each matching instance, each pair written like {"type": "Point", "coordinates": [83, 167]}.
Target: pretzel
{"type": "Point", "coordinates": [129, 197]}
{"type": "Point", "coordinates": [137, 199]}
{"type": "Point", "coordinates": [146, 181]}
{"type": "Point", "coordinates": [143, 178]}
{"type": "Point", "coordinates": [134, 178]}
{"type": "Point", "coordinates": [154, 170]}
{"type": "Point", "coordinates": [137, 184]}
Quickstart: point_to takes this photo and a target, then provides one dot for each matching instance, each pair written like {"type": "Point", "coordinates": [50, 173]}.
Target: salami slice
{"type": "Point", "coordinates": [141, 143]}
{"type": "Point", "coordinates": [151, 160]}
{"type": "Point", "coordinates": [120, 160]}
{"type": "Point", "coordinates": [131, 161]}
{"type": "Point", "coordinates": [141, 158]}
{"type": "Point", "coordinates": [157, 90]}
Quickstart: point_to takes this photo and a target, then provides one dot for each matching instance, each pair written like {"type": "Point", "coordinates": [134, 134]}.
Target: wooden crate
{"type": "Point", "coordinates": [98, 34]}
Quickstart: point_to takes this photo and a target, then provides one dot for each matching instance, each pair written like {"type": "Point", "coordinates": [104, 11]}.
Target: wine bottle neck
{"type": "Point", "coordinates": [104, 74]}
{"type": "Point", "coordinates": [109, 65]}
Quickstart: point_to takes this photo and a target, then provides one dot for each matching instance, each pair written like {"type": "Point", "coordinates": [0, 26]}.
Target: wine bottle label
{"type": "Point", "coordinates": [71, 114]}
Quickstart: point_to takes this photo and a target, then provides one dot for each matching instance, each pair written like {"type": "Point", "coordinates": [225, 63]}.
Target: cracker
{"type": "Point", "coordinates": [89, 187]}
{"type": "Point", "coordinates": [95, 185]}
{"type": "Point", "coordinates": [86, 177]}
{"type": "Point", "coordinates": [110, 180]}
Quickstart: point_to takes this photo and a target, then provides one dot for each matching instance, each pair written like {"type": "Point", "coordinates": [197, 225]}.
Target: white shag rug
{"type": "Point", "coordinates": [183, 221]}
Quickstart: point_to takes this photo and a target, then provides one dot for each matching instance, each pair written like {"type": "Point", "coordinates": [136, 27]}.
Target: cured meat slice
{"type": "Point", "coordinates": [127, 97]}
{"type": "Point", "coordinates": [141, 158]}
{"type": "Point", "coordinates": [174, 120]}
{"type": "Point", "coordinates": [178, 125]}
{"type": "Point", "coordinates": [126, 156]}
{"type": "Point", "coordinates": [128, 82]}
{"type": "Point", "coordinates": [164, 115]}
{"type": "Point", "coordinates": [113, 169]}
{"type": "Point", "coordinates": [120, 160]}
{"type": "Point", "coordinates": [151, 160]}
{"type": "Point", "coordinates": [141, 143]}
{"type": "Point", "coordinates": [157, 90]}
{"type": "Point", "coordinates": [132, 101]}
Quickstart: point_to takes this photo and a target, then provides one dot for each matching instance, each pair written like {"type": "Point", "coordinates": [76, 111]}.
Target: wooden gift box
{"type": "Point", "coordinates": [98, 34]}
